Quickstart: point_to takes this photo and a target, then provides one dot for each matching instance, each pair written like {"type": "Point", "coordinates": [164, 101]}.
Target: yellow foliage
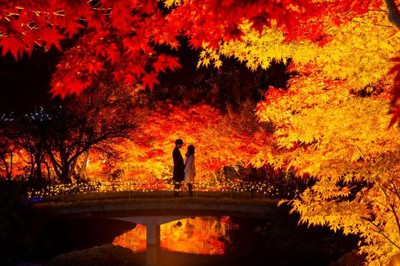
{"type": "Point", "coordinates": [332, 124]}
{"type": "Point", "coordinates": [358, 51]}
{"type": "Point", "coordinates": [171, 3]}
{"type": "Point", "coordinates": [326, 130]}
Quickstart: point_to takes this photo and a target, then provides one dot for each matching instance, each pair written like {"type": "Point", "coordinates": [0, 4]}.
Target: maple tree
{"type": "Point", "coordinates": [341, 139]}
{"type": "Point", "coordinates": [54, 138]}
{"type": "Point", "coordinates": [7, 149]}
{"type": "Point", "coordinates": [220, 140]}
{"type": "Point", "coordinates": [124, 35]}
{"type": "Point", "coordinates": [332, 124]}
{"type": "Point", "coordinates": [26, 132]}
{"type": "Point", "coordinates": [89, 121]}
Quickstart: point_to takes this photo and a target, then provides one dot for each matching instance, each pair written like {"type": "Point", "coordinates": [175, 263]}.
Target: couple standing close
{"type": "Point", "coordinates": [183, 171]}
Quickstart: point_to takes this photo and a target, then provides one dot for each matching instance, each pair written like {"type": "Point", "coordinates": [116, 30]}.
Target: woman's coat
{"type": "Point", "coordinates": [190, 170]}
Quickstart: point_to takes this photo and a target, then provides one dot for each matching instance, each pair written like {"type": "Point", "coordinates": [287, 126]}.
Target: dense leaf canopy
{"type": "Point", "coordinates": [333, 123]}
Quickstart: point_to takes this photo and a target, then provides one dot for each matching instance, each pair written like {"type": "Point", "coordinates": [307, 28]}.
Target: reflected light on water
{"type": "Point", "coordinates": [198, 235]}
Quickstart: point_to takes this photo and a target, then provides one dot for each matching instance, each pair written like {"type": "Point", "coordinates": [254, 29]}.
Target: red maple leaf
{"type": "Point", "coordinates": [16, 25]}
{"type": "Point", "coordinates": [94, 67]}
{"type": "Point", "coordinates": [165, 62]}
{"type": "Point", "coordinates": [112, 53]}
{"type": "Point", "coordinates": [72, 27]}
{"type": "Point", "coordinates": [395, 112]}
{"type": "Point", "coordinates": [30, 38]}
{"type": "Point", "coordinates": [158, 65]}
{"type": "Point", "coordinates": [396, 88]}
{"type": "Point", "coordinates": [172, 63]}
{"type": "Point", "coordinates": [149, 6]}
{"type": "Point", "coordinates": [149, 79]}
{"type": "Point", "coordinates": [129, 78]}
{"type": "Point", "coordinates": [136, 69]}
{"type": "Point", "coordinates": [195, 43]}
{"type": "Point", "coordinates": [69, 86]}
{"type": "Point", "coordinates": [13, 45]}
{"type": "Point", "coordinates": [52, 37]}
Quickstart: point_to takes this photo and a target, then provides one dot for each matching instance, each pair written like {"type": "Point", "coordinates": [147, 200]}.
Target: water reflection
{"type": "Point", "coordinates": [198, 235]}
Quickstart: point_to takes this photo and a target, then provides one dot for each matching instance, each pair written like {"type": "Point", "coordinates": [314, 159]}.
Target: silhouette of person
{"type": "Point", "coordinates": [179, 167]}
{"type": "Point", "coordinates": [190, 169]}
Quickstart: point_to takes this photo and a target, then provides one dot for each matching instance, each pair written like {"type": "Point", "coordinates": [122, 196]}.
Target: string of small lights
{"type": "Point", "coordinates": [238, 186]}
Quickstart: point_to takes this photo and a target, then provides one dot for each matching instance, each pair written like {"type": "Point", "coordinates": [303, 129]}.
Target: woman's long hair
{"type": "Point", "coordinates": [190, 150]}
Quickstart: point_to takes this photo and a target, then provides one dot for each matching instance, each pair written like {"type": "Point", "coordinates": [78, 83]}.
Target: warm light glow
{"type": "Point", "coordinates": [329, 122]}
{"type": "Point", "coordinates": [134, 239]}
{"type": "Point", "coordinates": [264, 188]}
{"type": "Point", "coordinates": [199, 235]}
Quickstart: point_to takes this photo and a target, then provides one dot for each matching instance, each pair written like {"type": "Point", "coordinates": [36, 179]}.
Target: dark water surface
{"type": "Point", "coordinates": [210, 240]}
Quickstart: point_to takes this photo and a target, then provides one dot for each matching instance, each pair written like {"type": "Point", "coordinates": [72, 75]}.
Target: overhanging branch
{"type": "Point", "coordinates": [394, 14]}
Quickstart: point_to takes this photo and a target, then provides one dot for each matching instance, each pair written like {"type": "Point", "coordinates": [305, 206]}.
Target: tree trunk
{"type": "Point", "coordinates": [82, 171]}
{"type": "Point", "coordinates": [32, 170]}
{"type": "Point", "coordinates": [38, 172]}
{"type": "Point", "coordinates": [72, 168]}
{"type": "Point", "coordinates": [55, 166]}
{"type": "Point", "coordinates": [65, 173]}
{"type": "Point", "coordinates": [8, 165]}
{"type": "Point", "coordinates": [48, 170]}
{"type": "Point", "coordinates": [9, 175]}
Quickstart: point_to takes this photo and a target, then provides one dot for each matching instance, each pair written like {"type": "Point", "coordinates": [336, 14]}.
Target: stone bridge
{"type": "Point", "coordinates": [152, 212]}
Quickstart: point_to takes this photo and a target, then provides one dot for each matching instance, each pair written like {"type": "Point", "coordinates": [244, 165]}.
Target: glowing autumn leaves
{"type": "Point", "coordinates": [118, 36]}
{"type": "Point", "coordinates": [123, 37]}
{"type": "Point", "coordinates": [219, 142]}
{"type": "Point", "coordinates": [330, 124]}
{"type": "Point", "coordinates": [200, 235]}
{"type": "Point", "coordinates": [358, 51]}
{"type": "Point", "coordinates": [18, 34]}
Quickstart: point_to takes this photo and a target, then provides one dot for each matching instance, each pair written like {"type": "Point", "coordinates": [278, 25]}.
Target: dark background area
{"type": "Point", "coordinates": [25, 83]}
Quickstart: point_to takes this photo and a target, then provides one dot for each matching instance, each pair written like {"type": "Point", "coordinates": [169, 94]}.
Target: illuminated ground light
{"type": "Point", "coordinates": [268, 190]}
{"type": "Point", "coordinates": [199, 235]}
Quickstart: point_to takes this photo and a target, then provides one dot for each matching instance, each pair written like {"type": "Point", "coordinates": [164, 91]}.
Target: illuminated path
{"type": "Point", "coordinates": [152, 212]}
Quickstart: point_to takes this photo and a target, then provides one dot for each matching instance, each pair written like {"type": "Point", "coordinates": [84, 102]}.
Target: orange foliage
{"type": "Point", "coordinates": [218, 139]}
{"type": "Point", "coordinates": [200, 235]}
{"type": "Point", "coordinates": [121, 36]}
{"type": "Point", "coordinates": [18, 161]}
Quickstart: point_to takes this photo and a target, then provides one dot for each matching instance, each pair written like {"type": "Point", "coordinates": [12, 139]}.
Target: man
{"type": "Point", "coordinates": [179, 167]}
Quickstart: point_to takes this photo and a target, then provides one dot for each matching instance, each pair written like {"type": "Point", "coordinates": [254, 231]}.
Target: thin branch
{"type": "Point", "coordinates": [392, 207]}
{"type": "Point", "coordinates": [379, 231]}
{"type": "Point", "coordinates": [394, 14]}
{"type": "Point", "coordinates": [395, 213]}
{"type": "Point", "coordinates": [396, 190]}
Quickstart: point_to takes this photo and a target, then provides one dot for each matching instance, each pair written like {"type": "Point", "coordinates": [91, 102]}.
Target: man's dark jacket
{"type": "Point", "coordinates": [179, 165]}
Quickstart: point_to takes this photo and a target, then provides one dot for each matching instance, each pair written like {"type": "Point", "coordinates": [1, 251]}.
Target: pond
{"type": "Point", "coordinates": [196, 235]}
{"type": "Point", "coordinates": [202, 240]}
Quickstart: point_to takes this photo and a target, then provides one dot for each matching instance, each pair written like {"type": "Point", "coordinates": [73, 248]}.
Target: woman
{"type": "Point", "coordinates": [190, 170]}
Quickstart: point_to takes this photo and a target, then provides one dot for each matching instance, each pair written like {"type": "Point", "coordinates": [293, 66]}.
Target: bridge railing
{"type": "Point", "coordinates": [266, 188]}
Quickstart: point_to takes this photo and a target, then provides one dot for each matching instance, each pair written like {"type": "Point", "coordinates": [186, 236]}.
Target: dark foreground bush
{"type": "Point", "coordinates": [20, 228]}
{"type": "Point", "coordinates": [98, 256]}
